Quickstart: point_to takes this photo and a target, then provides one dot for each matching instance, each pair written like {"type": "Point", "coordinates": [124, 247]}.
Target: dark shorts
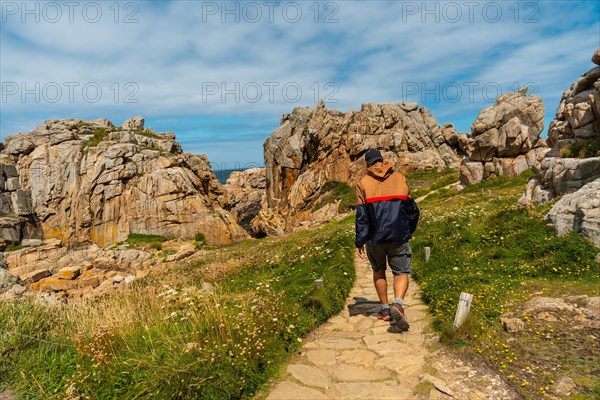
{"type": "Point", "coordinates": [399, 256]}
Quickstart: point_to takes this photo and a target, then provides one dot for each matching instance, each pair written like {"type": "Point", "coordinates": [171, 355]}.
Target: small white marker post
{"type": "Point", "coordinates": [462, 311]}
{"type": "Point", "coordinates": [319, 283]}
{"type": "Point", "coordinates": [427, 253]}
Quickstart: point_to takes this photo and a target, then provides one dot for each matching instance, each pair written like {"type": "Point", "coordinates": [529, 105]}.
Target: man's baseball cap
{"type": "Point", "coordinates": [372, 156]}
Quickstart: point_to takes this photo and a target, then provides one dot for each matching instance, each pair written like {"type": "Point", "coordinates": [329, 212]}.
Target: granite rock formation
{"type": "Point", "coordinates": [578, 211]}
{"type": "Point", "coordinates": [505, 138]}
{"type": "Point", "coordinates": [314, 146]}
{"type": "Point", "coordinates": [572, 167]}
{"type": "Point", "coordinates": [574, 135]}
{"type": "Point", "coordinates": [89, 181]}
{"type": "Point", "coordinates": [246, 192]}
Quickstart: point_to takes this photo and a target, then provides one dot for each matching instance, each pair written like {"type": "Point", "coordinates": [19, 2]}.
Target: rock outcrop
{"type": "Point", "coordinates": [89, 181]}
{"type": "Point", "coordinates": [88, 270]}
{"type": "Point", "coordinates": [577, 119]}
{"type": "Point", "coordinates": [17, 219]}
{"type": "Point", "coordinates": [505, 138]}
{"type": "Point", "coordinates": [314, 146]}
{"type": "Point", "coordinates": [246, 192]}
{"type": "Point", "coordinates": [573, 163]}
{"type": "Point", "coordinates": [579, 211]}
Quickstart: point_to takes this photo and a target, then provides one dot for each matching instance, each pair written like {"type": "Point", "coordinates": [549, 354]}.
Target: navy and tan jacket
{"type": "Point", "coordinates": [380, 217]}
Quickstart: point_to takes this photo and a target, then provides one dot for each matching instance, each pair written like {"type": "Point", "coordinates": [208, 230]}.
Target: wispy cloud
{"type": "Point", "coordinates": [216, 82]}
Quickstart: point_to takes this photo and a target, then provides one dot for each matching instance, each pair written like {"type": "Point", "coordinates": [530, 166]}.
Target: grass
{"type": "Point", "coordinates": [427, 181]}
{"type": "Point", "coordinates": [483, 243]}
{"type": "Point", "coordinates": [333, 191]}
{"type": "Point", "coordinates": [167, 338]}
{"type": "Point", "coordinates": [13, 247]}
{"type": "Point", "coordinates": [585, 149]}
{"type": "Point", "coordinates": [143, 241]}
{"type": "Point", "coordinates": [100, 134]}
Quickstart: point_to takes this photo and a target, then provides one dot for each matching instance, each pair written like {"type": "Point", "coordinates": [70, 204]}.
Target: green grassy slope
{"type": "Point", "coordinates": [165, 338]}
{"type": "Point", "coordinates": [483, 243]}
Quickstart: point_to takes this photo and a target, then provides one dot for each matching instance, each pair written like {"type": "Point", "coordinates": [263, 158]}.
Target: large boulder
{"type": "Point", "coordinates": [574, 135]}
{"type": "Point", "coordinates": [579, 211]}
{"type": "Point", "coordinates": [577, 121]}
{"type": "Point", "coordinates": [314, 146]}
{"type": "Point", "coordinates": [505, 138]}
{"type": "Point", "coordinates": [512, 126]}
{"type": "Point", "coordinates": [87, 181]}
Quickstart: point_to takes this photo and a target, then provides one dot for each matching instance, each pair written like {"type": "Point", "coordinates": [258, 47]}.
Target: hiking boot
{"type": "Point", "coordinates": [384, 314]}
{"type": "Point", "coordinates": [399, 318]}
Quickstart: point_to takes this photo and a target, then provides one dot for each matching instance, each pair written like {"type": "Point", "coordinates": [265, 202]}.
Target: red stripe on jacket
{"type": "Point", "coordinates": [385, 198]}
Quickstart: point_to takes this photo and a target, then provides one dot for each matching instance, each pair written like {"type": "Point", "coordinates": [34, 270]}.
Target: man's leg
{"type": "Point", "coordinates": [401, 264]}
{"type": "Point", "coordinates": [381, 285]}
{"type": "Point", "coordinates": [400, 285]}
{"type": "Point", "coordinates": [377, 257]}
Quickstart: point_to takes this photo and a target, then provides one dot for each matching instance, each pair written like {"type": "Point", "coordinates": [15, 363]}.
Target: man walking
{"type": "Point", "coordinates": [383, 225]}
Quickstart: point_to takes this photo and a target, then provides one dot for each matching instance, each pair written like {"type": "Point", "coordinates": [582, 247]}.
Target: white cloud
{"type": "Point", "coordinates": [374, 50]}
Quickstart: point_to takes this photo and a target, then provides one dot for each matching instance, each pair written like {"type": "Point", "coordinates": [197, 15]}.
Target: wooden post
{"type": "Point", "coordinates": [319, 283]}
{"type": "Point", "coordinates": [427, 253]}
{"type": "Point", "coordinates": [464, 305]}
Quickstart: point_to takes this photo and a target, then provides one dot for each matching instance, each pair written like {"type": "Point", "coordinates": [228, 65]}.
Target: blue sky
{"type": "Point", "coordinates": [221, 74]}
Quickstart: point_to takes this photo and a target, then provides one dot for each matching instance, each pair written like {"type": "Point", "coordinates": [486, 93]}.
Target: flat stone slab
{"type": "Point", "coordinates": [361, 357]}
{"type": "Point", "coordinates": [68, 272]}
{"type": "Point", "coordinates": [337, 320]}
{"type": "Point", "coordinates": [322, 357]}
{"type": "Point", "coordinates": [415, 315]}
{"type": "Point", "coordinates": [339, 344]}
{"type": "Point", "coordinates": [389, 348]}
{"type": "Point", "coordinates": [403, 366]}
{"type": "Point", "coordinates": [416, 307]}
{"type": "Point", "coordinates": [36, 275]}
{"type": "Point", "coordinates": [328, 334]}
{"type": "Point", "coordinates": [287, 390]}
{"type": "Point", "coordinates": [380, 322]}
{"type": "Point", "coordinates": [380, 329]}
{"type": "Point", "coordinates": [309, 376]}
{"type": "Point", "coordinates": [381, 338]}
{"type": "Point", "coordinates": [370, 391]}
{"type": "Point", "coordinates": [355, 373]}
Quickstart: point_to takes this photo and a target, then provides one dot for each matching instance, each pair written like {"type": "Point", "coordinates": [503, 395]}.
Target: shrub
{"type": "Point", "coordinates": [13, 247]}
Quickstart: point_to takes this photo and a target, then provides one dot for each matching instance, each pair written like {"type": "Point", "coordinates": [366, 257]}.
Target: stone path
{"type": "Point", "coordinates": [353, 356]}
{"type": "Point", "coordinates": [453, 184]}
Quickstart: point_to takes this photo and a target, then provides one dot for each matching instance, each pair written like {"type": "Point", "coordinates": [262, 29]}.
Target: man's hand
{"type": "Point", "coordinates": [360, 252]}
